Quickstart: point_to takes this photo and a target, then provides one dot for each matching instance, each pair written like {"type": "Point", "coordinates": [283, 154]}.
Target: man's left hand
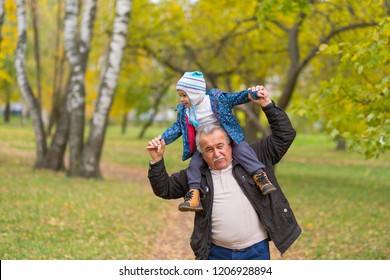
{"type": "Point", "coordinates": [156, 149]}
{"type": "Point", "coordinates": [263, 95]}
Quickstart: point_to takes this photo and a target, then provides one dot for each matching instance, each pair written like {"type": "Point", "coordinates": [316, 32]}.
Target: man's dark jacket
{"type": "Point", "coordinates": [273, 210]}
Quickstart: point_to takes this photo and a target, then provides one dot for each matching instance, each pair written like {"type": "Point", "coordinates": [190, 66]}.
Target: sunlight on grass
{"type": "Point", "coordinates": [341, 201]}
{"type": "Point", "coordinates": [47, 215]}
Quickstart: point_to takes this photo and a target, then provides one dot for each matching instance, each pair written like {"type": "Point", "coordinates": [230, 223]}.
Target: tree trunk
{"type": "Point", "coordinates": [296, 63]}
{"type": "Point", "coordinates": [2, 13]}
{"type": "Point", "coordinates": [250, 128]}
{"type": "Point", "coordinates": [124, 123]}
{"type": "Point", "coordinates": [34, 15]}
{"type": "Point", "coordinates": [59, 62]}
{"type": "Point", "coordinates": [54, 158]}
{"type": "Point", "coordinates": [161, 92]}
{"type": "Point", "coordinates": [294, 67]}
{"type": "Point", "coordinates": [77, 54]}
{"type": "Point", "coordinates": [94, 146]}
{"type": "Point", "coordinates": [341, 144]}
{"type": "Point", "coordinates": [7, 111]}
{"type": "Point", "coordinates": [28, 96]}
{"type": "Point", "coordinates": [253, 118]}
{"type": "Point", "coordinates": [57, 94]}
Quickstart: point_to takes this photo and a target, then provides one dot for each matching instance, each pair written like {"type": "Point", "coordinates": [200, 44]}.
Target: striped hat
{"type": "Point", "coordinates": [194, 85]}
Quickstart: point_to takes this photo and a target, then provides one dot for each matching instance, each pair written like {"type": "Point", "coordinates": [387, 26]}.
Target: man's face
{"type": "Point", "coordinates": [215, 150]}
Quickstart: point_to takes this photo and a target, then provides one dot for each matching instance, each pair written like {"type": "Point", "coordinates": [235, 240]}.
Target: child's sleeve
{"type": "Point", "coordinates": [238, 98]}
{"type": "Point", "coordinates": [172, 133]}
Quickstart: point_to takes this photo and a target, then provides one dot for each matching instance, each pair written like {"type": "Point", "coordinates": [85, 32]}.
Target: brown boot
{"type": "Point", "coordinates": [264, 183]}
{"type": "Point", "coordinates": [191, 202]}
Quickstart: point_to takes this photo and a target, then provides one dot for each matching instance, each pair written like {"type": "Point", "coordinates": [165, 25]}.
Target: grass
{"type": "Point", "coordinates": [340, 200]}
{"type": "Point", "coordinates": [47, 215]}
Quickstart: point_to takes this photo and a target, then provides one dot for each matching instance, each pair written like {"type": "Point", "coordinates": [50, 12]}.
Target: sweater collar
{"type": "Point", "coordinates": [222, 171]}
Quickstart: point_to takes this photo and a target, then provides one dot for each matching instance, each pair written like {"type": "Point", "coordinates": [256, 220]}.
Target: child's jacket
{"type": "Point", "coordinates": [222, 103]}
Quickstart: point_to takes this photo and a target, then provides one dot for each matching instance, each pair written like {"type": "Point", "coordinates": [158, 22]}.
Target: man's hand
{"type": "Point", "coordinates": [156, 149]}
{"type": "Point", "coordinates": [263, 95]}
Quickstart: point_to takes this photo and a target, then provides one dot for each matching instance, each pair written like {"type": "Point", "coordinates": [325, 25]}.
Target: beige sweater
{"type": "Point", "coordinates": [235, 224]}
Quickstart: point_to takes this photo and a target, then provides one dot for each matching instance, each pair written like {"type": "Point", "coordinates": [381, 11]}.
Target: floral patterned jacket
{"type": "Point", "coordinates": [222, 103]}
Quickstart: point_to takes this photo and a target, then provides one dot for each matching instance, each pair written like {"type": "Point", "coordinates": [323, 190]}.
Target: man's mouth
{"type": "Point", "coordinates": [218, 159]}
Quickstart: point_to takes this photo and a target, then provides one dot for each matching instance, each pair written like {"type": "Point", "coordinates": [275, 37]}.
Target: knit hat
{"type": "Point", "coordinates": [194, 85]}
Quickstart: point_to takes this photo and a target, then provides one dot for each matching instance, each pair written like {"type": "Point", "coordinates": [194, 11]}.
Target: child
{"type": "Point", "coordinates": [197, 108]}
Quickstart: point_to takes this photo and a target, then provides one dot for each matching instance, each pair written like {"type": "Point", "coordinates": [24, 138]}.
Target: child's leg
{"type": "Point", "coordinates": [193, 171]}
{"type": "Point", "coordinates": [192, 198]}
{"type": "Point", "coordinates": [245, 155]}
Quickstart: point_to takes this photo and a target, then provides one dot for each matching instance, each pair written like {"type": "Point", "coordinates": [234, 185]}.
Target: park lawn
{"type": "Point", "coordinates": [47, 215]}
{"type": "Point", "coordinates": [340, 200]}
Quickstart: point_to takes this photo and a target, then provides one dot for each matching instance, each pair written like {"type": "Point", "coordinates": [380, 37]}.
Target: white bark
{"type": "Point", "coordinates": [77, 51]}
{"type": "Point", "coordinates": [25, 88]}
{"type": "Point", "coordinates": [92, 151]}
{"type": "Point", "coordinates": [70, 32]}
{"type": "Point", "coordinates": [2, 13]}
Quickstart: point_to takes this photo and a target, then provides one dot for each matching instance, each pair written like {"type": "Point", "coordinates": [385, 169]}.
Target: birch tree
{"type": "Point", "coordinates": [24, 85]}
{"type": "Point", "coordinates": [58, 72]}
{"type": "Point", "coordinates": [77, 50]}
{"type": "Point", "coordinates": [35, 15]}
{"type": "Point", "coordinates": [2, 13]}
{"type": "Point", "coordinates": [94, 146]}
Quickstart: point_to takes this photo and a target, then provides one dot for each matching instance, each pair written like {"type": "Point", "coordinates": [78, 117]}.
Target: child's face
{"type": "Point", "coordinates": [184, 98]}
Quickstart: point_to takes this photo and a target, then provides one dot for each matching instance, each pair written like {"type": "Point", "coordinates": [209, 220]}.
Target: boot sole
{"type": "Point", "coordinates": [190, 209]}
{"type": "Point", "coordinates": [268, 190]}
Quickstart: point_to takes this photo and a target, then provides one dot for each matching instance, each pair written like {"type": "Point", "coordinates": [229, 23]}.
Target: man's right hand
{"type": "Point", "coordinates": [156, 149]}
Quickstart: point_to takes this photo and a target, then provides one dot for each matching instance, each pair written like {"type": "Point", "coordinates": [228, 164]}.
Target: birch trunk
{"type": "Point", "coordinates": [34, 15]}
{"type": "Point", "coordinates": [25, 88]}
{"type": "Point", "coordinates": [59, 117]}
{"type": "Point", "coordinates": [2, 13]}
{"type": "Point", "coordinates": [94, 146]}
{"type": "Point", "coordinates": [77, 54]}
{"type": "Point", "coordinates": [58, 72]}
{"type": "Point", "coordinates": [54, 158]}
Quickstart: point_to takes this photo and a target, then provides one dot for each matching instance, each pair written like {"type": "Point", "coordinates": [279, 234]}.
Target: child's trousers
{"type": "Point", "coordinates": [242, 152]}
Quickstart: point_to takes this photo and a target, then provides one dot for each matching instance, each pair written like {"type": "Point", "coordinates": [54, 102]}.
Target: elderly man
{"type": "Point", "coordinates": [237, 221]}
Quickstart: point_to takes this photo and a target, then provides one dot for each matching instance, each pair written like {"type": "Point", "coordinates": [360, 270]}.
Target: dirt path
{"type": "Point", "coordinates": [174, 240]}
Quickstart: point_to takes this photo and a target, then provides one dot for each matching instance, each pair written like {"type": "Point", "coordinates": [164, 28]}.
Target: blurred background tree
{"type": "Point", "coordinates": [325, 62]}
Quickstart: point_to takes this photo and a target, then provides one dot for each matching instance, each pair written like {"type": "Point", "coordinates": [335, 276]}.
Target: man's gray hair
{"type": "Point", "coordinates": [207, 130]}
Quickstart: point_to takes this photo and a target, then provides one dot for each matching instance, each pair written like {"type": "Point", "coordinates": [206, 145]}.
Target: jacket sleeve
{"type": "Point", "coordinates": [271, 149]}
{"type": "Point", "coordinates": [237, 98]}
{"type": "Point", "coordinates": [165, 186]}
{"type": "Point", "coordinates": [174, 131]}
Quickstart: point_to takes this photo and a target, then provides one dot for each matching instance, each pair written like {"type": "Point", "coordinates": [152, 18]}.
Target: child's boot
{"type": "Point", "coordinates": [264, 183]}
{"type": "Point", "coordinates": [191, 202]}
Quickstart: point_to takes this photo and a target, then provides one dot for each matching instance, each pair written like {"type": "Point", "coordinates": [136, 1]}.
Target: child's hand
{"type": "Point", "coordinates": [156, 148]}
{"type": "Point", "coordinates": [154, 143]}
{"type": "Point", "coordinates": [263, 95]}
